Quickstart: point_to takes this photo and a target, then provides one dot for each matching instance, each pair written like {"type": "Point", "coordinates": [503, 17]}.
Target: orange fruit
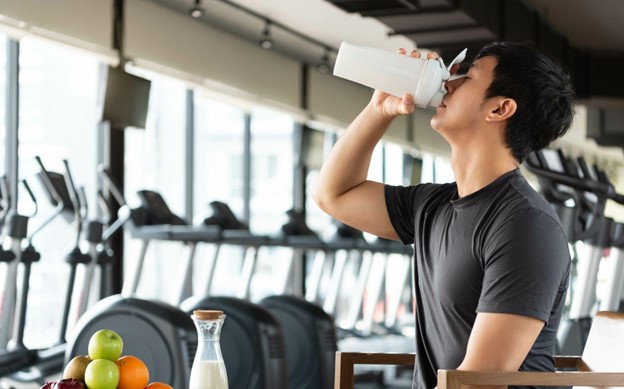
{"type": "Point", "coordinates": [133, 373]}
{"type": "Point", "coordinates": [158, 385]}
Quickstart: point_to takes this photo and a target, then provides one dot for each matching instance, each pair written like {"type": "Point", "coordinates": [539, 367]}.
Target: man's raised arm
{"type": "Point", "coordinates": [342, 189]}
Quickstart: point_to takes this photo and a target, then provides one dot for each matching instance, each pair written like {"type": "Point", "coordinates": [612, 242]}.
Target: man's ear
{"type": "Point", "coordinates": [503, 110]}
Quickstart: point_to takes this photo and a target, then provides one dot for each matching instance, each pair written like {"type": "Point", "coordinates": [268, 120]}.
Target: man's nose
{"type": "Point", "coordinates": [452, 85]}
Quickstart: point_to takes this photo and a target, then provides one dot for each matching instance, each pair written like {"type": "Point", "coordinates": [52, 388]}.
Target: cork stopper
{"type": "Point", "coordinates": [202, 314]}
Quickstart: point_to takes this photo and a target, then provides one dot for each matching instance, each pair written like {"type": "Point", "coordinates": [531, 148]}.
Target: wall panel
{"type": "Point", "coordinates": [174, 40]}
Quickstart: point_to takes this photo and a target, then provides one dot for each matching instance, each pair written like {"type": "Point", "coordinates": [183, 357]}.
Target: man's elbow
{"type": "Point", "coordinates": [321, 198]}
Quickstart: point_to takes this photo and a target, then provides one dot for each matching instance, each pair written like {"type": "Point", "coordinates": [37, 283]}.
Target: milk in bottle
{"type": "Point", "coordinates": [208, 370]}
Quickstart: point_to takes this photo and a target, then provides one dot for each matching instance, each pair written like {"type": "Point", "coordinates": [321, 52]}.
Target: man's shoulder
{"type": "Point", "coordinates": [529, 202]}
{"type": "Point", "coordinates": [431, 189]}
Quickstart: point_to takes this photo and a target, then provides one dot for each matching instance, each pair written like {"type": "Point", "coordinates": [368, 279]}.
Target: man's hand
{"type": "Point", "coordinates": [392, 106]}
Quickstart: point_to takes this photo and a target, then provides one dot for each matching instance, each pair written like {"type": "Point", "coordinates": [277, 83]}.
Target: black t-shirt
{"type": "Point", "coordinates": [501, 250]}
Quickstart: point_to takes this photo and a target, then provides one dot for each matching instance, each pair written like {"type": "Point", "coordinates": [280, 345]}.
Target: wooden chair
{"type": "Point", "coordinates": [601, 365]}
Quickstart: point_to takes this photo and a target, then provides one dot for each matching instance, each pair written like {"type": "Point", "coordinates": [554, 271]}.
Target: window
{"type": "Point", "coordinates": [272, 169]}
{"type": "Point", "coordinates": [443, 171]}
{"type": "Point", "coordinates": [393, 164]}
{"type": "Point", "coordinates": [376, 168]}
{"type": "Point", "coordinates": [219, 148]}
{"type": "Point", "coordinates": [3, 59]}
{"type": "Point", "coordinates": [428, 168]}
{"type": "Point", "coordinates": [58, 120]}
{"type": "Point", "coordinates": [155, 160]}
{"type": "Point", "coordinates": [316, 218]}
{"type": "Point", "coordinates": [219, 167]}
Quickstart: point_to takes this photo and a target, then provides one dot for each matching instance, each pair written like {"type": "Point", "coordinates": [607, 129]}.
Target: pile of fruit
{"type": "Point", "coordinates": [105, 368]}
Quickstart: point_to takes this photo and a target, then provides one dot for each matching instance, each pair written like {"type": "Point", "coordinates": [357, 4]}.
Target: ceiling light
{"type": "Point", "coordinates": [324, 66]}
{"type": "Point", "coordinates": [266, 42]}
{"type": "Point", "coordinates": [196, 11]}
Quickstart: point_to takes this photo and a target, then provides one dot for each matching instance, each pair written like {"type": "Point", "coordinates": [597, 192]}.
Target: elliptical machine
{"type": "Point", "coordinates": [16, 356]}
{"type": "Point", "coordinates": [63, 195]}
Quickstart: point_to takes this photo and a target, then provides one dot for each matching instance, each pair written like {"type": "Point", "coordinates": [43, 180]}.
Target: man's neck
{"type": "Point", "coordinates": [475, 169]}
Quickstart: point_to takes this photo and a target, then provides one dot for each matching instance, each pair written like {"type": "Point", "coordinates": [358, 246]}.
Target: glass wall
{"type": "Point", "coordinates": [317, 219]}
{"type": "Point", "coordinates": [155, 160]}
{"type": "Point", "coordinates": [219, 149]}
{"type": "Point", "coordinates": [57, 120]}
{"type": "Point", "coordinates": [443, 170]}
{"type": "Point", "coordinates": [393, 164]}
{"type": "Point", "coordinates": [218, 176]}
{"type": "Point", "coordinates": [3, 63]}
{"type": "Point", "coordinates": [272, 171]}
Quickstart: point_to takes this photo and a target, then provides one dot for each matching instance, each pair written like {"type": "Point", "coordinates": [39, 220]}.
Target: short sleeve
{"type": "Point", "coordinates": [400, 206]}
{"type": "Point", "coordinates": [526, 266]}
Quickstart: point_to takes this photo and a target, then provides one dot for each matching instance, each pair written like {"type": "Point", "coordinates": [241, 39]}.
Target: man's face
{"type": "Point", "coordinates": [463, 107]}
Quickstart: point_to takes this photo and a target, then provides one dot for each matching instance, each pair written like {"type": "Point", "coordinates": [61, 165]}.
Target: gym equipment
{"type": "Point", "coordinates": [153, 220]}
{"type": "Point", "coordinates": [60, 189]}
{"type": "Point", "coordinates": [612, 301]}
{"type": "Point", "coordinates": [235, 232]}
{"type": "Point", "coordinates": [561, 180]}
{"type": "Point", "coordinates": [345, 245]}
{"type": "Point", "coordinates": [348, 244]}
{"type": "Point", "coordinates": [9, 267]}
{"type": "Point", "coordinates": [310, 340]}
{"type": "Point", "coordinates": [62, 194]}
{"type": "Point", "coordinates": [251, 342]}
{"type": "Point", "coordinates": [95, 238]}
{"type": "Point", "coordinates": [383, 249]}
{"type": "Point", "coordinates": [296, 234]}
{"type": "Point", "coordinates": [16, 356]}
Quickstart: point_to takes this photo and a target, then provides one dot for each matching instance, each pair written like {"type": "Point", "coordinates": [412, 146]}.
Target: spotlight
{"type": "Point", "coordinates": [266, 42]}
{"type": "Point", "coordinates": [196, 11]}
{"type": "Point", "coordinates": [324, 66]}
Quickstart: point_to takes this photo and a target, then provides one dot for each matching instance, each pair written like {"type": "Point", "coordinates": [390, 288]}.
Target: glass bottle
{"type": "Point", "coordinates": [208, 370]}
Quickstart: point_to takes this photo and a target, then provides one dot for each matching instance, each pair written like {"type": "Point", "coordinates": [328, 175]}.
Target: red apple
{"type": "Point", "coordinates": [69, 383]}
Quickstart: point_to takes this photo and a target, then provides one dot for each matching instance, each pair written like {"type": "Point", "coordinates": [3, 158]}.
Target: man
{"type": "Point", "coordinates": [491, 260]}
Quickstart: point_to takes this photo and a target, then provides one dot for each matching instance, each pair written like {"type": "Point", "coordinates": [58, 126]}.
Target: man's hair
{"type": "Point", "coordinates": [542, 92]}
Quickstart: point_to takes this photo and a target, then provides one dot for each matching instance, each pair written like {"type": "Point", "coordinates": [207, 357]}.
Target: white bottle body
{"type": "Point", "coordinates": [393, 73]}
{"type": "Point", "coordinates": [208, 375]}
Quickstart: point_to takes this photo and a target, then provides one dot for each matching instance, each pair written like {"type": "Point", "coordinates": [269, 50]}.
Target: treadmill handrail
{"type": "Point", "coordinates": [573, 180]}
{"type": "Point", "coordinates": [111, 185]}
{"type": "Point", "coordinates": [599, 188]}
{"type": "Point", "coordinates": [75, 199]}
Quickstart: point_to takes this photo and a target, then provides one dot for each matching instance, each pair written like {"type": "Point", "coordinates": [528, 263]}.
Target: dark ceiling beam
{"type": "Point", "coordinates": [410, 5]}
{"type": "Point", "coordinates": [458, 27]}
{"type": "Point", "coordinates": [389, 8]}
{"type": "Point", "coordinates": [596, 76]}
{"type": "Point", "coordinates": [379, 13]}
{"type": "Point", "coordinates": [447, 46]}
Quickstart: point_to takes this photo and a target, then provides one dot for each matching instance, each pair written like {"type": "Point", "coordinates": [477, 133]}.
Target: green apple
{"type": "Point", "coordinates": [105, 344]}
{"type": "Point", "coordinates": [76, 368]}
{"type": "Point", "coordinates": [102, 374]}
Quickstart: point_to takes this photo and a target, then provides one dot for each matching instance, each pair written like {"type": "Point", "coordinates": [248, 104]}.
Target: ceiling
{"type": "Point", "coordinates": [587, 24]}
{"type": "Point", "coordinates": [587, 36]}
